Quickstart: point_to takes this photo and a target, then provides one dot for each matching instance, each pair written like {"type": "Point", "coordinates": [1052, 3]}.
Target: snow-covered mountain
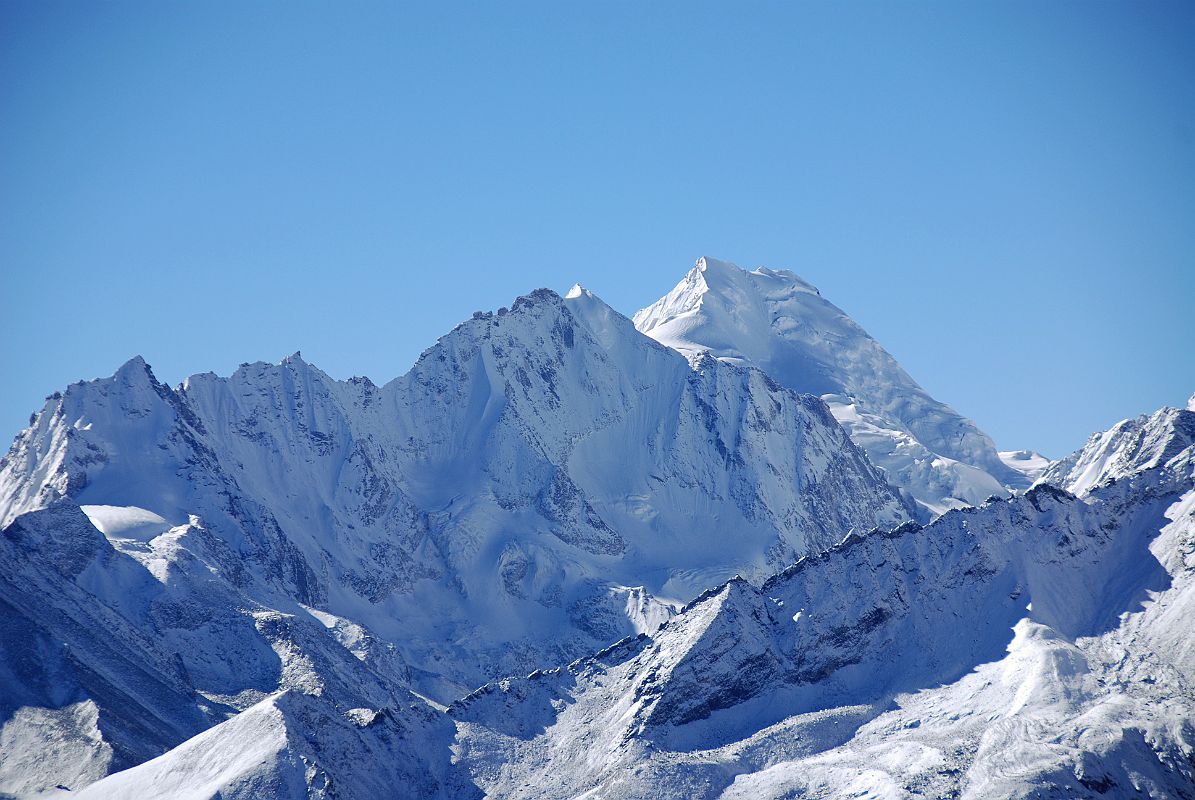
{"type": "Point", "coordinates": [1032, 647]}
{"type": "Point", "coordinates": [116, 651]}
{"type": "Point", "coordinates": [1125, 449]}
{"type": "Point", "coordinates": [279, 585]}
{"type": "Point", "coordinates": [778, 322]}
{"type": "Point", "coordinates": [295, 550]}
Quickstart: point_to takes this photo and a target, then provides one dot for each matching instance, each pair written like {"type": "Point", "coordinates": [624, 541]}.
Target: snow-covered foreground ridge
{"type": "Point", "coordinates": [544, 481]}
{"type": "Point", "coordinates": [1033, 647]}
{"type": "Point", "coordinates": [780, 323]}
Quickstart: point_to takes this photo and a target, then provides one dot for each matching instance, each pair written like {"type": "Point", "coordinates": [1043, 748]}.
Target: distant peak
{"type": "Point", "coordinates": [714, 267]}
{"type": "Point", "coordinates": [579, 292]}
{"type": "Point", "coordinates": [715, 271]}
{"type": "Point", "coordinates": [1191, 403]}
{"type": "Point", "coordinates": [135, 368]}
{"type": "Point", "coordinates": [136, 362]}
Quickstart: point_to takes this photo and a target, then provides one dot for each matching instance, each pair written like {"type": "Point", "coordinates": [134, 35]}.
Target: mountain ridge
{"type": "Point", "coordinates": [279, 584]}
{"type": "Point", "coordinates": [780, 323]}
{"type": "Point", "coordinates": [1005, 650]}
{"type": "Point", "coordinates": [543, 481]}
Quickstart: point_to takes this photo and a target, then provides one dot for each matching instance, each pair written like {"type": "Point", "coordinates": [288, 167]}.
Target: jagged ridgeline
{"type": "Point", "coordinates": [774, 320]}
{"type": "Point", "coordinates": [544, 481]}
{"type": "Point", "coordinates": [280, 585]}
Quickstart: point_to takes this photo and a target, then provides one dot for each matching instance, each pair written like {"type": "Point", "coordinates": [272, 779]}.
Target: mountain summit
{"type": "Point", "coordinates": [280, 585]}
{"type": "Point", "coordinates": [774, 320]}
{"type": "Point", "coordinates": [544, 481]}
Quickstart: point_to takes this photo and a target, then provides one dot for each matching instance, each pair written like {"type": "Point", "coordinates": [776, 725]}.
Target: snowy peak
{"type": "Point", "coordinates": [293, 745]}
{"type": "Point", "coordinates": [493, 483]}
{"type": "Point", "coordinates": [135, 369]}
{"type": "Point", "coordinates": [774, 320]}
{"type": "Point", "coordinates": [1127, 448]}
{"type": "Point", "coordinates": [610, 328]}
{"type": "Point", "coordinates": [723, 642]}
{"type": "Point", "coordinates": [714, 298]}
{"type": "Point", "coordinates": [60, 452]}
{"type": "Point", "coordinates": [724, 276]}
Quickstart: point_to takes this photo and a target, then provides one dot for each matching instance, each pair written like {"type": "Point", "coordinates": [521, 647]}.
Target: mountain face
{"type": "Point", "coordinates": [279, 585]}
{"type": "Point", "coordinates": [116, 651]}
{"type": "Point", "coordinates": [1032, 647]}
{"type": "Point", "coordinates": [1125, 449]}
{"type": "Point", "coordinates": [295, 554]}
{"type": "Point", "coordinates": [774, 320]}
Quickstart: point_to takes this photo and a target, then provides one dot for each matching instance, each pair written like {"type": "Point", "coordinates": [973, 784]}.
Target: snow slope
{"type": "Point", "coordinates": [293, 745]}
{"type": "Point", "coordinates": [1029, 463]}
{"type": "Point", "coordinates": [780, 323]}
{"type": "Point", "coordinates": [544, 481]}
{"type": "Point", "coordinates": [1032, 647]}
{"type": "Point", "coordinates": [110, 657]}
{"type": "Point", "coordinates": [1125, 449]}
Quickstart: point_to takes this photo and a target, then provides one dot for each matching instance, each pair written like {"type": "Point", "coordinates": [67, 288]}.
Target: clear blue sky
{"type": "Point", "coordinates": [1002, 193]}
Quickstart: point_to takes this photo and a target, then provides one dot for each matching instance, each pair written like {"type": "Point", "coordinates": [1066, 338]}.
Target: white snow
{"type": "Point", "coordinates": [263, 565]}
{"type": "Point", "coordinates": [52, 747]}
{"type": "Point", "coordinates": [1029, 463]}
{"type": "Point", "coordinates": [774, 320]}
{"type": "Point", "coordinates": [126, 522]}
{"type": "Point", "coordinates": [911, 666]}
{"type": "Point", "coordinates": [238, 759]}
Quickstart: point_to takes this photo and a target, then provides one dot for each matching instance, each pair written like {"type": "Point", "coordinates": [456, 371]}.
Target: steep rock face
{"type": "Point", "coordinates": [774, 320]}
{"type": "Point", "coordinates": [1031, 647]}
{"type": "Point", "coordinates": [545, 480]}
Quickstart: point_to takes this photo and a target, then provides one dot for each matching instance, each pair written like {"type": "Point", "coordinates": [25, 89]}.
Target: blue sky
{"type": "Point", "coordinates": [1002, 193]}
